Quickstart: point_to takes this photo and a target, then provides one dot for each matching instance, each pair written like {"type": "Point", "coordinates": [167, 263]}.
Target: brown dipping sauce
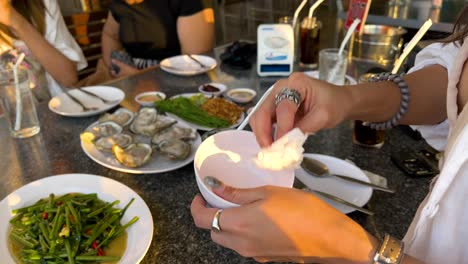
{"type": "Point", "coordinates": [150, 98]}
{"type": "Point", "coordinates": [210, 88]}
{"type": "Point", "coordinates": [241, 95]}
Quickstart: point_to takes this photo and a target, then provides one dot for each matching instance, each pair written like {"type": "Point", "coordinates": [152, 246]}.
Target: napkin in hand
{"type": "Point", "coordinates": [284, 153]}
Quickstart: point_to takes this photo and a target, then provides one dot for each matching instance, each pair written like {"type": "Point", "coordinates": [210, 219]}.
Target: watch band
{"type": "Point", "coordinates": [390, 251]}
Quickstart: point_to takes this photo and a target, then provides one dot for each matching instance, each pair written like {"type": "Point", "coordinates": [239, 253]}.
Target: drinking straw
{"type": "Point", "coordinates": [348, 34]}
{"type": "Point", "coordinates": [313, 7]}
{"type": "Point", "coordinates": [260, 102]}
{"type": "Point", "coordinates": [343, 44]}
{"type": "Point", "coordinates": [19, 106]}
{"type": "Point", "coordinates": [425, 27]}
{"type": "Point", "coordinates": [296, 13]}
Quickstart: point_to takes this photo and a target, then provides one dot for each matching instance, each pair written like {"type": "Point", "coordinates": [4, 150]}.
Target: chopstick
{"type": "Point", "coordinates": [197, 61]}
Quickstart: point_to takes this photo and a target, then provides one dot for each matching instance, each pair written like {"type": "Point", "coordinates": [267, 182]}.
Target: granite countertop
{"type": "Point", "coordinates": [56, 150]}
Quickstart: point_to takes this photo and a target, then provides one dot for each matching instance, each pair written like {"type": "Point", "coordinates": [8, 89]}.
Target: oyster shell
{"type": "Point", "coordinates": [121, 116]}
{"type": "Point", "coordinates": [174, 132]}
{"type": "Point", "coordinates": [105, 129]}
{"type": "Point", "coordinates": [175, 149]}
{"type": "Point", "coordinates": [148, 122]}
{"type": "Point", "coordinates": [135, 155]}
{"type": "Point", "coordinates": [106, 143]}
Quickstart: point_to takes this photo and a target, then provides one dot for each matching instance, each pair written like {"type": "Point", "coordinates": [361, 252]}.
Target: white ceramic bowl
{"type": "Point", "coordinates": [241, 95]}
{"type": "Point", "coordinates": [204, 90]}
{"type": "Point", "coordinates": [228, 156]}
{"type": "Point", "coordinates": [148, 98]}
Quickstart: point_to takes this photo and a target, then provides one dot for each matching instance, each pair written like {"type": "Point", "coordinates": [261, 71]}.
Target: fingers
{"type": "Point", "coordinates": [285, 113]}
{"type": "Point", "coordinates": [240, 196]}
{"type": "Point", "coordinates": [261, 125]}
{"type": "Point", "coordinates": [202, 216]}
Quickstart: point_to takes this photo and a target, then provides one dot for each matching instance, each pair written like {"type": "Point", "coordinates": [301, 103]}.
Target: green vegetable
{"type": "Point", "coordinates": [187, 110]}
{"type": "Point", "coordinates": [198, 99]}
{"type": "Point", "coordinates": [56, 229]}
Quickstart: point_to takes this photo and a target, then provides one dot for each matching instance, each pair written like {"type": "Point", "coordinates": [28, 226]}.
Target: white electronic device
{"type": "Point", "coordinates": [275, 50]}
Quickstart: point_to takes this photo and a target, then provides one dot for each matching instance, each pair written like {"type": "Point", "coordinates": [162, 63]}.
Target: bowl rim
{"type": "Point", "coordinates": [251, 91]}
{"type": "Point", "coordinates": [227, 204]}
{"type": "Point", "coordinates": [221, 86]}
{"type": "Point", "coordinates": [137, 97]}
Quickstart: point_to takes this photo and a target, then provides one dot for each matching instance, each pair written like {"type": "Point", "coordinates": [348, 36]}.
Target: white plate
{"type": "Point", "coordinates": [185, 66]}
{"type": "Point", "coordinates": [63, 105]}
{"type": "Point", "coordinates": [139, 234]}
{"type": "Point", "coordinates": [198, 127]}
{"type": "Point", "coordinates": [315, 74]}
{"type": "Point", "coordinates": [353, 193]}
{"type": "Point", "coordinates": [156, 164]}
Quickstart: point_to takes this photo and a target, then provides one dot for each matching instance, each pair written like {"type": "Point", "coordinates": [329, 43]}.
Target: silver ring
{"type": "Point", "coordinates": [289, 94]}
{"type": "Point", "coordinates": [215, 224]}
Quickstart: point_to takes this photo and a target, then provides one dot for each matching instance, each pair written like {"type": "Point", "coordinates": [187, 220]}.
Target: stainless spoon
{"type": "Point", "coordinates": [318, 169]}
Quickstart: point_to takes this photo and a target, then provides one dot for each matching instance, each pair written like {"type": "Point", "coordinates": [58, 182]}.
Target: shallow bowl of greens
{"type": "Point", "coordinates": [185, 107]}
{"type": "Point", "coordinates": [137, 216]}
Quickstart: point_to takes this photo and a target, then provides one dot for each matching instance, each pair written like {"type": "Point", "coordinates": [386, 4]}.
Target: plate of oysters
{"type": "Point", "coordinates": [140, 143]}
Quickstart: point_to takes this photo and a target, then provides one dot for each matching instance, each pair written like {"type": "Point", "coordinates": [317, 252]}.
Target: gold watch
{"type": "Point", "coordinates": [390, 251]}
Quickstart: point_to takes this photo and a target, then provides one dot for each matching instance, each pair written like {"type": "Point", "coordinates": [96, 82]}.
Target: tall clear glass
{"type": "Point", "coordinates": [18, 104]}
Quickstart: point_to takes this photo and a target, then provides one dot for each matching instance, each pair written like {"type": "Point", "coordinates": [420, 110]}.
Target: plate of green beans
{"type": "Point", "coordinates": [74, 218]}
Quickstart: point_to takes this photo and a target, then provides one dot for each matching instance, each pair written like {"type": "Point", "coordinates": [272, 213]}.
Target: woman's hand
{"type": "Point", "coordinates": [125, 70]}
{"type": "Point", "coordinates": [280, 224]}
{"type": "Point", "coordinates": [318, 108]}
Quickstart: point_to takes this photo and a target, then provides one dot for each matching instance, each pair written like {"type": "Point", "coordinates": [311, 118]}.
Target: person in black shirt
{"type": "Point", "coordinates": [150, 31]}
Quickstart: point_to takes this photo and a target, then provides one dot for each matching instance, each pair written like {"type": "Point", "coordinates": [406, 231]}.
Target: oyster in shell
{"type": "Point", "coordinates": [148, 122]}
{"type": "Point", "coordinates": [121, 116]}
{"type": "Point", "coordinates": [175, 149]}
{"type": "Point", "coordinates": [174, 132]}
{"type": "Point", "coordinates": [106, 143]}
{"type": "Point", "coordinates": [135, 155]}
{"type": "Point", "coordinates": [105, 129]}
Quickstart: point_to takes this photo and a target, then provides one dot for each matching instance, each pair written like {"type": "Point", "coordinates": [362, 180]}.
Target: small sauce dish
{"type": "Point", "coordinates": [148, 98]}
{"type": "Point", "coordinates": [241, 95]}
{"type": "Point", "coordinates": [212, 89]}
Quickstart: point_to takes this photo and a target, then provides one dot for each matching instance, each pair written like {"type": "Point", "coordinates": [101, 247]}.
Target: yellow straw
{"type": "Point", "coordinates": [313, 7]}
{"type": "Point", "coordinates": [296, 13]}
{"type": "Point", "coordinates": [411, 45]}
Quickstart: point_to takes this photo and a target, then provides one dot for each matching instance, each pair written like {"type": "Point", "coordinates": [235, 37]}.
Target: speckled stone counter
{"type": "Point", "coordinates": [56, 150]}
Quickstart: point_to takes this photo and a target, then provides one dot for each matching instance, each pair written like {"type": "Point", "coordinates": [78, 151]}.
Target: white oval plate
{"type": "Point", "coordinates": [353, 193]}
{"type": "Point", "coordinates": [198, 127]}
{"type": "Point", "coordinates": [315, 74]}
{"type": "Point", "coordinates": [185, 66]}
{"type": "Point", "coordinates": [156, 164]}
{"type": "Point", "coordinates": [63, 105]}
{"type": "Point", "coordinates": [139, 234]}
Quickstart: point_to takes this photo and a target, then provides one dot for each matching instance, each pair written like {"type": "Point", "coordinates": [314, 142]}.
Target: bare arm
{"type": "Point", "coordinates": [62, 69]}
{"type": "Point", "coordinates": [380, 101]}
{"type": "Point", "coordinates": [110, 38]}
{"type": "Point", "coordinates": [196, 32]}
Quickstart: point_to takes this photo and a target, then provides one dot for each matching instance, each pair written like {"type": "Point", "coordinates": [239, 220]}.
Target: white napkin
{"type": "Point", "coordinates": [284, 153]}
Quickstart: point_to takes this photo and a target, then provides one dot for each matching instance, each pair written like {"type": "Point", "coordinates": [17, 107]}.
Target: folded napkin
{"type": "Point", "coordinates": [284, 153]}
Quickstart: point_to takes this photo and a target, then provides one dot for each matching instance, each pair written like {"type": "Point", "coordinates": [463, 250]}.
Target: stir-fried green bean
{"type": "Point", "coordinates": [187, 110]}
{"type": "Point", "coordinates": [73, 228]}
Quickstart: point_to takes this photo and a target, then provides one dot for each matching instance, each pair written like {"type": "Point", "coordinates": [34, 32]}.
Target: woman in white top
{"type": "Point", "coordinates": [37, 28]}
{"type": "Point", "coordinates": [280, 224]}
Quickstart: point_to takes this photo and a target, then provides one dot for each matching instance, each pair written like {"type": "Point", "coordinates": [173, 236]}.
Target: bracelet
{"type": "Point", "coordinates": [390, 251]}
{"type": "Point", "coordinates": [404, 103]}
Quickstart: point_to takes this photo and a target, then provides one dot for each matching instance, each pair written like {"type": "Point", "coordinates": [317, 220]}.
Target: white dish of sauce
{"type": "Point", "coordinates": [241, 95]}
{"type": "Point", "coordinates": [148, 98]}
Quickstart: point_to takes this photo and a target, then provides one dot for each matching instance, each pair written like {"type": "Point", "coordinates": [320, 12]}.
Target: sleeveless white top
{"type": "Point", "coordinates": [439, 231]}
